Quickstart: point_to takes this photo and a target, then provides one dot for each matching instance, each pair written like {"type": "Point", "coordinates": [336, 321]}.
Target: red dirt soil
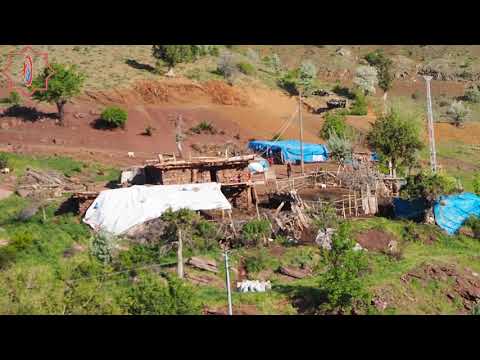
{"type": "Point", "coordinates": [236, 114]}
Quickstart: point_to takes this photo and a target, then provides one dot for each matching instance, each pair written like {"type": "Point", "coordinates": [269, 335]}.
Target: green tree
{"type": "Point", "coordinates": [176, 54]}
{"type": "Point", "coordinates": [334, 123]}
{"type": "Point", "coordinates": [64, 82]}
{"type": "Point", "coordinates": [366, 78]}
{"type": "Point", "coordinates": [340, 149]}
{"type": "Point", "coordinates": [306, 77]}
{"type": "Point", "coordinates": [458, 113]}
{"type": "Point", "coordinates": [342, 282]}
{"type": "Point", "coordinates": [383, 65]}
{"type": "Point", "coordinates": [428, 186]}
{"type": "Point", "coordinates": [396, 136]}
{"type": "Point", "coordinates": [3, 160]}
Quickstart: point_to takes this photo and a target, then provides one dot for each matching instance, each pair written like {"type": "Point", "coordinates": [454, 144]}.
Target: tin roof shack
{"type": "Point", "coordinates": [232, 173]}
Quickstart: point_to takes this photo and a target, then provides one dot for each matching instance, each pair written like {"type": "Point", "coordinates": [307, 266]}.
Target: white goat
{"type": "Point", "coordinates": [131, 154]}
{"type": "Point", "coordinates": [6, 171]}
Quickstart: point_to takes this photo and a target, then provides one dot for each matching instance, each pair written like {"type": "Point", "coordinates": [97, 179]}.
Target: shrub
{"type": "Point", "coordinates": [13, 98]}
{"type": "Point", "coordinates": [472, 94]}
{"type": "Point", "coordinates": [273, 61]}
{"type": "Point", "coordinates": [458, 113]}
{"type": "Point", "coordinates": [258, 262]}
{"type": "Point", "coordinates": [227, 67]}
{"type": "Point", "coordinates": [204, 127]}
{"type": "Point", "coordinates": [360, 106]}
{"type": "Point", "coordinates": [428, 186]}
{"type": "Point", "coordinates": [476, 183]}
{"type": "Point", "coordinates": [149, 130]}
{"type": "Point", "coordinates": [366, 78]}
{"type": "Point", "coordinates": [246, 68]}
{"type": "Point", "coordinates": [102, 247]}
{"type": "Point", "coordinates": [416, 95]}
{"type": "Point", "coordinates": [474, 223]}
{"type": "Point", "coordinates": [326, 217]}
{"type": "Point", "coordinates": [342, 283]}
{"type": "Point", "coordinates": [289, 82]}
{"type": "Point", "coordinates": [149, 296]}
{"type": "Point", "coordinates": [254, 231]}
{"type": "Point", "coordinates": [114, 117]}
{"type": "Point", "coordinates": [3, 160]}
{"type": "Point", "coordinates": [334, 123]}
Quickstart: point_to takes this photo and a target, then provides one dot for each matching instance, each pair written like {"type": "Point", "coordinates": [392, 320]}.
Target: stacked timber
{"type": "Point", "coordinates": [46, 183]}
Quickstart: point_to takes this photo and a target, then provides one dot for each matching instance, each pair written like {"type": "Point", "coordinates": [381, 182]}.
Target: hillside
{"type": "Point", "coordinates": [425, 271]}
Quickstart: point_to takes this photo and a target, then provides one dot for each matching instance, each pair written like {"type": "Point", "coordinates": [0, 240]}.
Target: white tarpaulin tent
{"type": "Point", "coordinates": [118, 210]}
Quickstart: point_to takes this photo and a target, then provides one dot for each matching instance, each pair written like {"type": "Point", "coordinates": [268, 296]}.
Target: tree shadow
{"type": "Point", "coordinates": [26, 113]}
{"type": "Point", "coordinates": [99, 124]}
{"type": "Point", "coordinates": [139, 66]}
{"type": "Point", "coordinates": [306, 299]}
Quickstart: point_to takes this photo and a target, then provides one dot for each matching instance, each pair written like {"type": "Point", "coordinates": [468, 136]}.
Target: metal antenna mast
{"type": "Point", "coordinates": [431, 133]}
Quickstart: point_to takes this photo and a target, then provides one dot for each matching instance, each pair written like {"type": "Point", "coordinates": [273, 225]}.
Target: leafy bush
{"type": "Point", "coordinates": [254, 231]}
{"type": "Point", "coordinates": [472, 94]}
{"type": "Point", "coordinates": [289, 82]}
{"type": "Point", "coordinates": [342, 283]}
{"type": "Point", "coordinates": [246, 68]}
{"type": "Point", "coordinates": [197, 233]}
{"type": "Point", "coordinates": [149, 296]}
{"type": "Point", "coordinates": [474, 223]}
{"type": "Point", "coordinates": [360, 106]}
{"type": "Point", "coordinates": [3, 160]}
{"type": "Point", "coordinates": [334, 123]}
{"type": "Point", "coordinates": [428, 186]}
{"type": "Point", "coordinates": [114, 117]}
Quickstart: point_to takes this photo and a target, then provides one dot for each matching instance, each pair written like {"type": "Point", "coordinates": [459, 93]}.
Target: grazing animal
{"type": "Point", "coordinates": [6, 171]}
{"type": "Point", "coordinates": [323, 186]}
{"type": "Point", "coordinates": [131, 154]}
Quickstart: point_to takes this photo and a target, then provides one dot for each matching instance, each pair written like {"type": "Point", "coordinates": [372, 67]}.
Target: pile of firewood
{"type": "Point", "coordinates": [50, 183]}
{"type": "Point", "coordinates": [289, 223]}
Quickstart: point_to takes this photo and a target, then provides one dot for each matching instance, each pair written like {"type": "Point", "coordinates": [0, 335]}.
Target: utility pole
{"type": "Point", "coordinates": [180, 255]}
{"type": "Point", "coordinates": [227, 272]}
{"type": "Point", "coordinates": [431, 133]}
{"type": "Point", "coordinates": [301, 131]}
{"type": "Point", "coordinates": [179, 135]}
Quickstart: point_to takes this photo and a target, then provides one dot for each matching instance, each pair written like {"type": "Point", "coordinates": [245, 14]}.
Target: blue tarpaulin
{"type": "Point", "coordinates": [290, 150]}
{"type": "Point", "coordinates": [409, 209]}
{"type": "Point", "coordinates": [451, 211]}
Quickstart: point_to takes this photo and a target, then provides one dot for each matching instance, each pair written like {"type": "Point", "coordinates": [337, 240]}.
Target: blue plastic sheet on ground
{"type": "Point", "coordinates": [374, 157]}
{"type": "Point", "coordinates": [451, 211]}
{"type": "Point", "coordinates": [290, 150]}
{"type": "Point", "coordinates": [409, 209]}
